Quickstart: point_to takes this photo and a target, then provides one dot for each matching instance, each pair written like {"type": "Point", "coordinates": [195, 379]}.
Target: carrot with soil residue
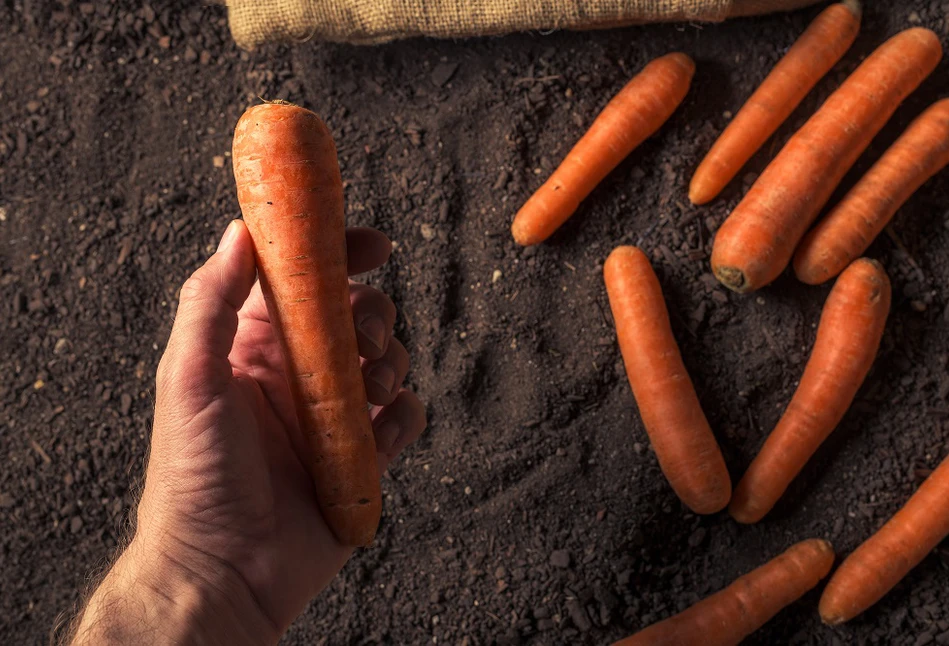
{"type": "Point", "coordinates": [885, 558]}
{"type": "Point", "coordinates": [685, 446]}
{"type": "Point", "coordinates": [806, 62]}
{"type": "Point", "coordinates": [757, 240]}
{"type": "Point", "coordinates": [848, 336]}
{"type": "Point", "coordinates": [291, 195]}
{"type": "Point", "coordinates": [635, 113]}
{"type": "Point", "coordinates": [728, 616]}
{"type": "Point", "coordinates": [846, 232]}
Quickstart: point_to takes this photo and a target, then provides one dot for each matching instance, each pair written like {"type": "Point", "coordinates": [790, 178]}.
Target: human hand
{"type": "Point", "coordinates": [230, 544]}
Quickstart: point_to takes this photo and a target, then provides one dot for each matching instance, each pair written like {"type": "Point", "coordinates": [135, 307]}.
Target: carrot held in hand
{"type": "Point", "coordinates": [687, 451]}
{"type": "Point", "coordinates": [728, 616]}
{"type": "Point", "coordinates": [848, 337]}
{"type": "Point", "coordinates": [640, 108]}
{"type": "Point", "coordinates": [886, 557]}
{"type": "Point", "coordinates": [291, 195]}
{"type": "Point", "coordinates": [850, 227]}
{"type": "Point", "coordinates": [806, 62]}
{"type": "Point", "coordinates": [756, 242]}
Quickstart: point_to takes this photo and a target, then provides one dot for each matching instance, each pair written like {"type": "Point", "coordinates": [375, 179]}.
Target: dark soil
{"type": "Point", "coordinates": [532, 511]}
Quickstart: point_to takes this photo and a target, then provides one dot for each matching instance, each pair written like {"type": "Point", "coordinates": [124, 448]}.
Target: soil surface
{"type": "Point", "coordinates": [532, 511]}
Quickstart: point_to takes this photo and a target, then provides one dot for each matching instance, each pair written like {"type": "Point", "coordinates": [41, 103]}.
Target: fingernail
{"type": "Point", "coordinates": [230, 234]}
{"type": "Point", "coordinates": [387, 435]}
{"type": "Point", "coordinates": [374, 329]}
{"type": "Point", "coordinates": [384, 376]}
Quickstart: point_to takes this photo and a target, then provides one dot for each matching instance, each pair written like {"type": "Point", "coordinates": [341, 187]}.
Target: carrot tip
{"type": "Point", "coordinates": [831, 620]}
{"type": "Point", "coordinates": [732, 278]}
{"type": "Point", "coordinates": [855, 7]}
{"type": "Point", "coordinates": [699, 196]}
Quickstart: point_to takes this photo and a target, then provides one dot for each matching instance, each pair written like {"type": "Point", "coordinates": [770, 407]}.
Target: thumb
{"type": "Point", "coordinates": [206, 322]}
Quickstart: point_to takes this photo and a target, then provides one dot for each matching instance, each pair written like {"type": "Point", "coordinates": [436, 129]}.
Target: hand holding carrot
{"type": "Point", "coordinates": [229, 516]}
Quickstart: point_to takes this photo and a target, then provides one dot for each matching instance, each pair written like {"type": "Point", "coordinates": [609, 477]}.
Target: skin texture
{"type": "Point", "coordinates": [230, 544]}
{"type": "Point", "coordinates": [291, 195]}
{"type": "Point", "coordinates": [678, 430]}
{"type": "Point", "coordinates": [813, 55]}
{"type": "Point", "coordinates": [885, 558]}
{"type": "Point", "coordinates": [846, 232]}
{"type": "Point", "coordinates": [756, 242]}
{"type": "Point", "coordinates": [635, 113]}
{"type": "Point", "coordinates": [727, 617]}
{"type": "Point", "coordinates": [848, 336]}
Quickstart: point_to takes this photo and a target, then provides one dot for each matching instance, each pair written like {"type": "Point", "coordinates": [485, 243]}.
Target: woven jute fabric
{"type": "Point", "coordinates": [255, 22]}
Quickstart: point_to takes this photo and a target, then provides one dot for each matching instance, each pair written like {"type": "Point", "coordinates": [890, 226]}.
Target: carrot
{"type": "Point", "coordinates": [291, 195]}
{"type": "Point", "coordinates": [730, 615]}
{"type": "Point", "coordinates": [756, 242]}
{"type": "Point", "coordinates": [885, 558]}
{"type": "Point", "coordinates": [848, 336]}
{"type": "Point", "coordinates": [687, 451]}
{"type": "Point", "coordinates": [640, 108]}
{"type": "Point", "coordinates": [846, 232]}
{"type": "Point", "coordinates": [806, 62]}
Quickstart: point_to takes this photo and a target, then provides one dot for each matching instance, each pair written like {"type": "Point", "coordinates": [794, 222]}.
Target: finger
{"type": "Point", "coordinates": [206, 321]}
{"type": "Point", "coordinates": [374, 316]}
{"type": "Point", "coordinates": [384, 376]}
{"type": "Point", "coordinates": [366, 249]}
{"type": "Point", "coordinates": [398, 425]}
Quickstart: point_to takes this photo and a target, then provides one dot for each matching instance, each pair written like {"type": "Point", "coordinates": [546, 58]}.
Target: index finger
{"type": "Point", "coordinates": [366, 249]}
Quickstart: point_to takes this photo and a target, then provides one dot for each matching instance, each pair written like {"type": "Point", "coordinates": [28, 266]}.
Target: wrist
{"type": "Point", "coordinates": [168, 594]}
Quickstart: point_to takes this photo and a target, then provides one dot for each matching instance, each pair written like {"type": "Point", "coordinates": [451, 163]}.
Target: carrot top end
{"type": "Point", "coordinates": [732, 278]}
{"type": "Point", "coordinates": [855, 7]}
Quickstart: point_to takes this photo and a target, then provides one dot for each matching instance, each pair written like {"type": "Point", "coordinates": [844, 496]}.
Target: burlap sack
{"type": "Point", "coordinates": [254, 22]}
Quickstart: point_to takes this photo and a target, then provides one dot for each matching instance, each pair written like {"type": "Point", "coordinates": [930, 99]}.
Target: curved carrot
{"type": "Point", "coordinates": [846, 232]}
{"type": "Point", "coordinates": [635, 113]}
{"type": "Point", "coordinates": [756, 242]}
{"type": "Point", "coordinates": [687, 451]}
{"type": "Point", "coordinates": [848, 337]}
{"type": "Point", "coordinates": [885, 558]}
{"type": "Point", "coordinates": [291, 195]}
{"type": "Point", "coordinates": [813, 54]}
{"type": "Point", "coordinates": [728, 616]}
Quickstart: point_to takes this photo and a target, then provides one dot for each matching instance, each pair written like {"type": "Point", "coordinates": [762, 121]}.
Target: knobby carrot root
{"type": "Point", "coordinates": [640, 108]}
{"type": "Point", "coordinates": [728, 616]}
{"type": "Point", "coordinates": [848, 337]}
{"type": "Point", "coordinates": [806, 62]}
{"type": "Point", "coordinates": [846, 232]}
{"type": "Point", "coordinates": [756, 242]}
{"type": "Point", "coordinates": [885, 558]}
{"type": "Point", "coordinates": [687, 451]}
{"type": "Point", "coordinates": [291, 195]}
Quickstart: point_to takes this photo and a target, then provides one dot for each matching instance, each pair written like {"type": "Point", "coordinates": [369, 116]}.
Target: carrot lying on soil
{"type": "Point", "coordinates": [848, 336]}
{"type": "Point", "coordinates": [687, 451]}
{"type": "Point", "coordinates": [756, 242]}
{"type": "Point", "coordinates": [291, 195]}
{"type": "Point", "coordinates": [846, 232]}
{"type": "Point", "coordinates": [728, 616]}
{"type": "Point", "coordinates": [635, 113]}
{"type": "Point", "coordinates": [885, 558]}
{"type": "Point", "coordinates": [806, 62]}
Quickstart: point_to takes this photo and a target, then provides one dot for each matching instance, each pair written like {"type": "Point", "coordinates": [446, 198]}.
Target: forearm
{"type": "Point", "coordinates": [152, 596]}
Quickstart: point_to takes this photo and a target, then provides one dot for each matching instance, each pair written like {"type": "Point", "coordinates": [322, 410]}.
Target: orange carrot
{"type": "Point", "coordinates": [640, 108]}
{"type": "Point", "coordinates": [728, 616]}
{"type": "Point", "coordinates": [847, 231]}
{"type": "Point", "coordinates": [848, 337]}
{"type": "Point", "coordinates": [291, 195]}
{"type": "Point", "coordinates": [886, 557]}
{"type": "Point", "coordinates": [687, 451]}
{"type": "Point", "coordinates": [756, 242]}
{"type": "Point", "coordinates": [806, 62]}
